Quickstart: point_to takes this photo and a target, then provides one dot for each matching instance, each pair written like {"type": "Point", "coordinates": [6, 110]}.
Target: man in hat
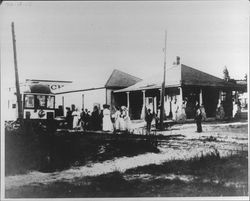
{"type": "Point", "coordinates": [198, 117]}
{"type": "Point", "coordinates": [149, 119]}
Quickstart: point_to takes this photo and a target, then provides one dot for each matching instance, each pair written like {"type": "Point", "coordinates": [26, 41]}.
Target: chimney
{"type": "Point", "coordinates": [178, 60]}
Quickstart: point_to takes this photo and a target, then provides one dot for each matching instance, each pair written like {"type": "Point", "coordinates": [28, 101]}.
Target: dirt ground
{"type": "Point", "coordinates": [211, 163]}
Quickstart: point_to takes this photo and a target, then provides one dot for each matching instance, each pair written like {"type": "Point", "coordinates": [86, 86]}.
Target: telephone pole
{"type": "Point", "coordinates": [19, 103]}
{"type": "Point", "coordinates": [163, 86]}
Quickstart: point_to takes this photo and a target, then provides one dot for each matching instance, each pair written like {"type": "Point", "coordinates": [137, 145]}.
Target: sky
{"type": "Point", "coordinates": [84, 41]}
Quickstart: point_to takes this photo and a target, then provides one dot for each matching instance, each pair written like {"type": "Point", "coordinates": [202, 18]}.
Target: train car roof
{"type": "Point", "coordinates": [39, 89]}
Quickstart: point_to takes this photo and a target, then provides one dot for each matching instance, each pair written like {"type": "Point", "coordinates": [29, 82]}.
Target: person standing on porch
{"type": "Point", "coordinates": [183, 115]}
{"type": "Point", "coordinates": [236, 109]}
{"type": "Point", "coordinates": [175, 109]}
{"type": "Point", "coordinates": [198, 117]}
{"type": "Point", "coordinates": [220, 113]}
{"type": "Point", "coordinates": [149, 119]}
{"type": "Point", "coordinates": [203, 113]}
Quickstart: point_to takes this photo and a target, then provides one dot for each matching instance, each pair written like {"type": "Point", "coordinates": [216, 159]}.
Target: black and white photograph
{"type": "Point", "coordinates": [138, 100]}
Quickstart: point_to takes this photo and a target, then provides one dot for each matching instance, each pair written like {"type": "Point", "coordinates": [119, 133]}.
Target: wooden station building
{"type": "Point", "coordinates": [182, 83]}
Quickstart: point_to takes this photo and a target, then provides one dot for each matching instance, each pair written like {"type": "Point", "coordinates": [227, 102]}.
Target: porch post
{"type": "Point", "coordinates": [161, 100]}
{"type": "Point", "coordinates": [181, 95]}
{"type": "Point", "coordinates": [143, 104]}
{"type": "Point", "coordinates": [201, 101]}
{"type": "Point", "coordinates": [155, 105]}
{"type": "Point", "coordinates": [82, 101]}
{"type": "Point", "coordinates": [127, 100]}
{"type": "Point", "coordinates": [220, 98]}
{"type": "Point", "coordinates": [160, 94]}
{"type": "Point", "coordinates": [63, 104]}
{"type": "Point", "coordinates": [144, 97]}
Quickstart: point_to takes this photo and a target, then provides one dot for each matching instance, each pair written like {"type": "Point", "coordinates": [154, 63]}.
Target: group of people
{"type": "Point", "coordinates": [85, 119]}
{"type": "Point", "coordinates": [73, 117]}
{"type": "Point", "coordinates": [98, 119]}
{"type": "Point", "coordinates": [180, 112]}
{"type": "Point", "coordinates": [220, 111]}
{"type": "Point", "coordinates": [121, 119]}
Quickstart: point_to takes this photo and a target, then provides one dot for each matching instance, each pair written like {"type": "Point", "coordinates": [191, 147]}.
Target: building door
{"type": "Point", "coordinates": [210, 101]}
{"type": "Point", "coordinates": [192, 97]}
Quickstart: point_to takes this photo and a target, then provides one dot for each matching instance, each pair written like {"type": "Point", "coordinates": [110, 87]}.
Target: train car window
{"type": "Point", "coordinates": [50, 101]}
{"type": "Point", "coordinates": [29, 101]}
{"type": "Point", "coordinates": [42, 100]}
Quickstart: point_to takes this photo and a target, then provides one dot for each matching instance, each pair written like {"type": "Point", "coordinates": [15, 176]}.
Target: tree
{"type": "Point", "coordinates": [226, 74]}
{"type": "Point", "coordinates": [245, 77]}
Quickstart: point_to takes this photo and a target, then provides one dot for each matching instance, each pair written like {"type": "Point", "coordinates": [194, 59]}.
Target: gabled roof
{"type": "Point", "coordinates": [119, 79]}
{"type": "Point", "coordinates": [179, 75]}
{"type": "Point", "coordinates": [192, 76]}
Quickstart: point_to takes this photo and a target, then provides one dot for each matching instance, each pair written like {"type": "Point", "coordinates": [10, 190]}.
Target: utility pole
{"type": "Point", "coordinates": [163, 86]}
{"type": "Point", "coordinates": [19, 103]}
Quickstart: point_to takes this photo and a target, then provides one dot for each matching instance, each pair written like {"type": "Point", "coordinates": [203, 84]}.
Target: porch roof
{"type": "Point", "coordinates": [173, 78]}
{"type": "Point", "coordinates": [180, 75]}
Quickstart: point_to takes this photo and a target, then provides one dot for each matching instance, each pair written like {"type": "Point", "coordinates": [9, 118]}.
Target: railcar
{"type": "Point", "coordinates": [38, 103]}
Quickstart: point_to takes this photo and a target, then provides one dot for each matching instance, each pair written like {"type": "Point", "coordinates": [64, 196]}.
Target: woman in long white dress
{"type": "Point", "coordinates": [127, 120]}
{"type": "Point", "coordinates": [117, 117]}
{"type": "Point", "coordinates": [121, 119]}
{"type": "Point", "coordinates": [175, 109]}
{"type": "Point", "coordinates": [183, 115]}
{"type": "Point", "coordinates": [236, 109]}
{"type": "Point", "coordinates": [76, 117]}
{"type": "Point", "coordinates": [220, 113]}
{"type": "Point", "coordinates": [107, 123]}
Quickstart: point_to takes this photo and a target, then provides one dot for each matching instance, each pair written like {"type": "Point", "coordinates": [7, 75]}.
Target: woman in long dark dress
{"type": "Point", "coordinates": [95, 119]}
{"type": "Point", "coordinates": [69, 118]}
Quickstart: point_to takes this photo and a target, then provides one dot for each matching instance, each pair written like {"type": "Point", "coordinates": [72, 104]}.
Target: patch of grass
{"type": "Point", "coordinates": [22, 153]}
{"type": "Point", "coordinates": [114, 185]}
{"type": "Point", "coordinates": [207, 167]}
{"type": "Point", "coordinates": [48, 153]}
{"type": "Point", "coordinates": [233, 168]}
